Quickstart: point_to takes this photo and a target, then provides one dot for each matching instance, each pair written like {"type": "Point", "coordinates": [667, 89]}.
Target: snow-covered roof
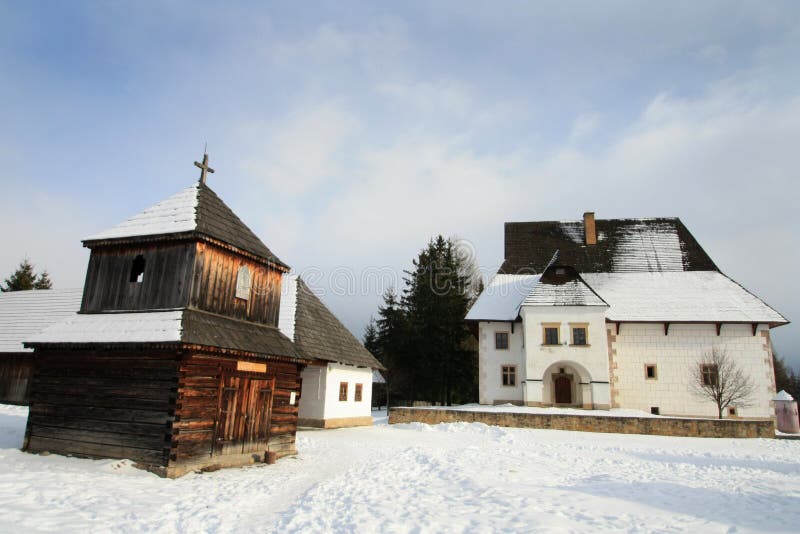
{"type": "Point", "coordinates": [150, 327]}
{"type": "Point", "coordinates": [176, 214]}
{"type": "Point", "coordinates": [26, 313]}
{"type": "Point", "coordinates": [623, 245]}
{"type": "Point", "coordinates": [570, 293]}
{"type": "Point", "coordinates": [689, 296]}
{"type": "Point", "coordinates": [316, 332]}
{"type": "Point", "coordinates": [196, 209]}
{"type": "Point", "coordinates": [377, 377]}
{"type": "Point", "coordinates": [288, 309]}
{"type": "Point", "coordinates": [501, 299]}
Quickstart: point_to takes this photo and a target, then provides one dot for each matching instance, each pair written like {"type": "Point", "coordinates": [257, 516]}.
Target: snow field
{"type": "Point", "coordinates": [418, 478]}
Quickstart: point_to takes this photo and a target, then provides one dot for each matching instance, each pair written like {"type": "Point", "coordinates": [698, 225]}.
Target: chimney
{"type": "Point", "coordinates": [589, 231]}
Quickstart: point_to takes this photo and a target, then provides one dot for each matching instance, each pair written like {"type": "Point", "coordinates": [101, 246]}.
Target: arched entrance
{"type": "Point", "coordinates": [566, 384]}
{"type": "Point", "coordinates": [563, 389]}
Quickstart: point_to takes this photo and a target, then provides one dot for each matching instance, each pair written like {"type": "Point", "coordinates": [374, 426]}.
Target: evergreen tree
{"type": "Point", "coordinates": [438, 293]}
{"type": "Point", "coordinates": [43, 281]}
{"type": "Point", "coordinates": [391, 343]}
{"type": "Point", "coordinates": [24, 278]}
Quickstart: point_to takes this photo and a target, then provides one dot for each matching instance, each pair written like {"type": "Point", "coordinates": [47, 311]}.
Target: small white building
{"type": "Point", "coordinates": [337, 388]}
{"type": "Point", "coordinates": [615, 314]}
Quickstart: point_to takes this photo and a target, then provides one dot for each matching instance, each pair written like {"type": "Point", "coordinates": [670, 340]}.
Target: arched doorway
{"type": "Point", "coordinates": [563, 389]}
{"type": "Point", "coordinates": [566, 383]}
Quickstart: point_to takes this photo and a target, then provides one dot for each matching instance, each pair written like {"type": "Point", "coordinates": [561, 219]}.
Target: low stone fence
{"type": "Point", "coordinates": [662, 426]}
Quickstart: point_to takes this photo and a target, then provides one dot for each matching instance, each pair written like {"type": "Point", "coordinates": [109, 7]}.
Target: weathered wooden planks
{"type": "Point", "coordinates": [165, 283]}
{"type": "Point", "coordinates": [220, 410]}
{"type": "Point", "coordinates": [214, 286]}
{"type": "Point", "coordinates": [116, 404]}
{"type": "Point", "coordinates": [15, 374]}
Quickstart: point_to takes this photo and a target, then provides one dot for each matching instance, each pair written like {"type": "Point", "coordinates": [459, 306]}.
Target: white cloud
{"type": "Point", "coordinates": [584, 126]}
{"type": "Point", "coordinates": [444, 95]}
{"type": "Point", "coordinates": [300, 152]}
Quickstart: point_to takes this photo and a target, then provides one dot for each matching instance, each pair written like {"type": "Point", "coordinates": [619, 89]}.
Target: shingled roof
{"type": "Point", "coordinates": [192, 327]}
{"type": "Point", "coordinates": [26, 313]}
{"type": "Point", "coordinates": [195, 211]}
{"type": "Point", "coordinates": [316, 332]}
{"type": "Point", "coordinates": [623, 245]}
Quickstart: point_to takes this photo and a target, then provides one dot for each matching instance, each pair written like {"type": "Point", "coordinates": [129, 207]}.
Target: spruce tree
{"type": "Point", "coordinates": [24, 279]}
{"type": "Point", "coordinates": [438, 293]}
{"type": "Point", "coordinates": [391, 343]}
{"type": "Point", "coordinates": [43, 281]}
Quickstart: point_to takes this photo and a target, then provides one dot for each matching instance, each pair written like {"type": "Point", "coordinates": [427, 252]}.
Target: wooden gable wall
{"type": "Point", "coordinates": [214, 286]}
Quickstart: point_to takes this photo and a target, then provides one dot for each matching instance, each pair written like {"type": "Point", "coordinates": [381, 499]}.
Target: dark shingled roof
{"type": "Point", "coordinates": [623, 245]}
{"type": "Point", "coordinates": [202, 328]}
{"type": "Point", "coordinates": [215, 219]}
{"type": "Point", "coordinates": [318, 334]}
{"type": "Point", "coordinates": [194, 212]}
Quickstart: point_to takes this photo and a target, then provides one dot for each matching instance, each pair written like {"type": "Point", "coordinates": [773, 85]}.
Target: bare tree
{"type": "Point", "coordinates": [717, 377]}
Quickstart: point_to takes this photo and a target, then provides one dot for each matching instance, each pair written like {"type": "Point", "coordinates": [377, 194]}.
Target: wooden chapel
{"type": "Point", "coordinates": [175, 359]}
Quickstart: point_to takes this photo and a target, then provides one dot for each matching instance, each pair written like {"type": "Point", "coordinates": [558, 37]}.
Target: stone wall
{"type": "Point", "coordinates": [662, 426]}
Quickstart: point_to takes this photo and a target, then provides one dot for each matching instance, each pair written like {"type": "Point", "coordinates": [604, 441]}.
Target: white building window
{"type": "Point", "coordinates": [509, 374]}
{"type": "Point", "coordinates": [243, 283]}
{"type": "Point", "coordinates": [501, 340]}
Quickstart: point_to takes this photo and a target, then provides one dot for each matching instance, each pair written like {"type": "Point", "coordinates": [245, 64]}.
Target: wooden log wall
{"type": "Point", "coordinates": [197, 408]}
{"type": "Point", "coordinates": [214, 286]}
{"type": "Point", "coordinates": [15, 374]}
{"type": "Point", "coordinates": [110, 404]}
{"type": "Point", "coordinates": [165, 284]}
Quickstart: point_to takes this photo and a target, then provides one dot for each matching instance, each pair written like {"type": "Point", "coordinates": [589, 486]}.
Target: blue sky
{"type": "Point", "coordinates": [346, 134]}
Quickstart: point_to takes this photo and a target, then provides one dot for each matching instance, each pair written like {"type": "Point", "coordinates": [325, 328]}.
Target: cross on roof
{"type": "Point", "coordinates": [204, 168]}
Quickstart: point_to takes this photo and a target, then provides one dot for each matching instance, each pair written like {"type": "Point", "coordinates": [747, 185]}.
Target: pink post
{"type": "Point", "coordinates": [786, 413]}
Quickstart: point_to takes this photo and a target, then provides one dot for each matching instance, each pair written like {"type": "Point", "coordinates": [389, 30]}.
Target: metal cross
{"type": "Point", "coordinates": [204, 168]}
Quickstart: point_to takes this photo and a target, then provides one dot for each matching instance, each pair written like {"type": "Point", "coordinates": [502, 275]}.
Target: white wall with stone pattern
{"type": "Point", "coordinates": [491, 360]}
{"type": "Point", "coordinates": [676, 355]}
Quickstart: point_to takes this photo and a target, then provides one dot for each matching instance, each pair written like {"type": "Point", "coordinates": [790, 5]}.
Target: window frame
{"type": "Point", "coordinates": [358, 395]}
{"type": "Point", "coordinates": [244, 282]}
{"type": "Point", "coordinates": [585, 327]}
{"type": "Point", "coordinates": [343, 391]}
{"type": "Point", "coordinates": [508, 339]}
{"type": "Point", "coordinates": [709, 374]}
{"type": "Point", "coordinates": [545, 328]}
{"type": "Point", "coordinates": [508, 371]}
{"type": "Point", "coordinates": [655, 371]}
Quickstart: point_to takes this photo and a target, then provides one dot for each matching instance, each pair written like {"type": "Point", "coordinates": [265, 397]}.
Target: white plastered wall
{"type": "Point", "coordinates": [491, 360]}
{"type": "Point", "coordinates": [588, 364]}
{"type": "Point", "coordinates": [675, 356]}
{"type": "Point", "coordinates": [312, 395]}
{"type": "Point", "coordinates": [336, 409]}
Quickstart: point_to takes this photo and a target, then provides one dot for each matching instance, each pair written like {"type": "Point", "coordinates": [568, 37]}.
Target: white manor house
{"type": "Point", "coordinates": [616, 314]}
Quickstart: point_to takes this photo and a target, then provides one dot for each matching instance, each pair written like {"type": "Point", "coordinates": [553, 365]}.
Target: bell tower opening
{"type": "Point", "coordinates": [137, 270]}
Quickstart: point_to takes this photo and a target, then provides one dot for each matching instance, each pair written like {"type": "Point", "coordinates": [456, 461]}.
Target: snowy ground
{"type": "Point", "coordinates": [418, 478]}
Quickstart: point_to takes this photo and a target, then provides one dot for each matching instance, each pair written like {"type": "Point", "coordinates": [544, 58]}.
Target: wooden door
{"type": "Point", "coordinates": [258, 414]}
{"type": "Point", "coordinates": [563, 386]}
{"type": "Point", "coordinates": [244, 414]}
{"type": "Point", "coordinates": [228, 431]}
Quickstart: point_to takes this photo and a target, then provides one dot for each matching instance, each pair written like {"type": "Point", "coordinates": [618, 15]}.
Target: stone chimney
{"type": "Point", "coordinates": [589, 231]}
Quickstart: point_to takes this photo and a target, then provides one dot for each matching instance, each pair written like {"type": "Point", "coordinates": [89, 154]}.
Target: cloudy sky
{"type": "Point", "coordinates": [346, 134]}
